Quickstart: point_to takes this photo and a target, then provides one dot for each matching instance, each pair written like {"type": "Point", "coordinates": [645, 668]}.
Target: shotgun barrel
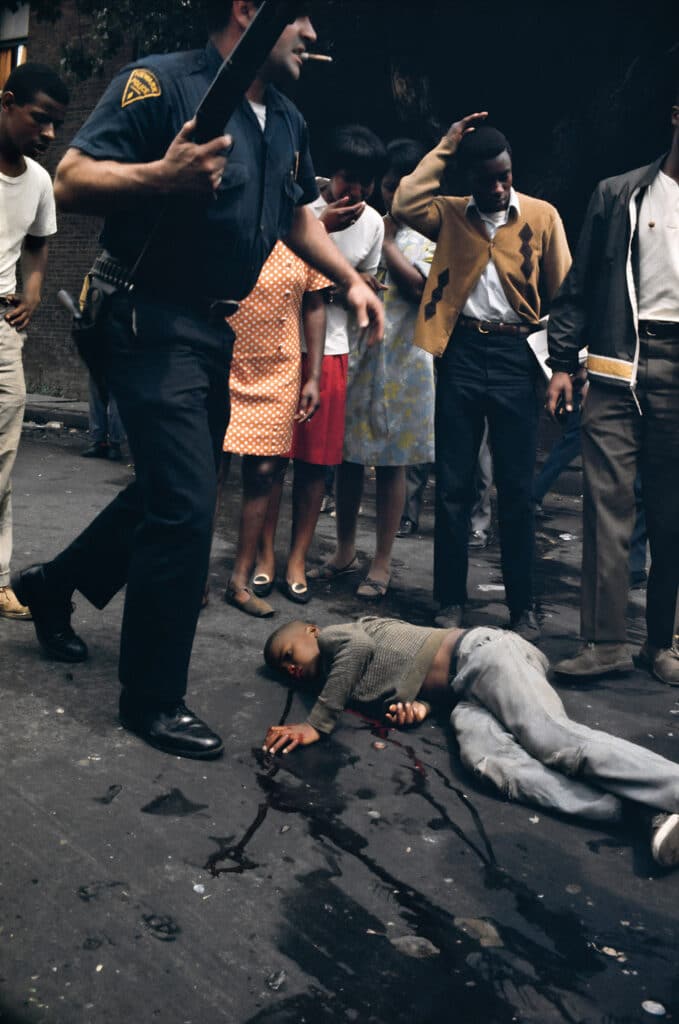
{"type": "Point", "coordinates": [239, 69]}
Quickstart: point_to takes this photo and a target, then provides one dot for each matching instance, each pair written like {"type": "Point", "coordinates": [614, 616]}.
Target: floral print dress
{"type": "Point", "coordinates": [390, 387]}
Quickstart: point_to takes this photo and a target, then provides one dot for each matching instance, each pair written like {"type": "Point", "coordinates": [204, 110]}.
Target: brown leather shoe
{"type": "Point", "coordinates": [661, 662]}
{"type": "Point", "coordinates": [11, 607]}
{"type": "Point", "coordinates": [596, 660]}
{"type": "Point", "coordinates": [526, 625]}
{"type": "Point", "coordinates": [252, 606]}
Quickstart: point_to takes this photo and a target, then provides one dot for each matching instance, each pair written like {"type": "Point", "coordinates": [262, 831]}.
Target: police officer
{"type": "Point", "coordinates": [167, 346]}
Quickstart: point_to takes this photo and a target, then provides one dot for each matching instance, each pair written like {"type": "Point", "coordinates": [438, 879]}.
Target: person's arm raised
{"type": "Point", "coordinates": [416, 202]}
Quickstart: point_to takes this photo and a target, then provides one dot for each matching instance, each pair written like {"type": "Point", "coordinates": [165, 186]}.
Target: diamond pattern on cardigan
{"type": "Point", "coordinates": [437, 294]}
{"type": "Point", "coordinates": [525, 234]}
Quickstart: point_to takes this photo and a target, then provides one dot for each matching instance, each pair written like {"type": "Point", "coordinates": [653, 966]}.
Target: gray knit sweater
{"type": "Point", "coordinates": [370, 661]}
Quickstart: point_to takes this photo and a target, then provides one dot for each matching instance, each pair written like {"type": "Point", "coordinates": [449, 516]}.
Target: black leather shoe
{"type": "Point", "coordinates": [638, 579]}
{"type": "Point", "coordinates": [526, 625]}
{"type": "Point", "coordinates": [171, 728]}
{"type": "Point", "coordinates": [407, 528]}
{"type": "Point", "coordinates": [51, 613]}
{"type": "Point", "coordinates": [478, 540]}
{"type": "Point", "coordinates": [96, 450]}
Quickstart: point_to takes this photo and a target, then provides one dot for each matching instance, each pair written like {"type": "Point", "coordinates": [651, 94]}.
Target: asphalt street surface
{"type": "Point", "coordinates": [367, 879]}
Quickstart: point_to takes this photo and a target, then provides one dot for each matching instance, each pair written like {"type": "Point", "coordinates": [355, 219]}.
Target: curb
{"type": "Point", "coordinates": [42, 409]}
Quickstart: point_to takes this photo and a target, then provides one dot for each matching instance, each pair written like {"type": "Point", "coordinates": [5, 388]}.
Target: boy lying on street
{"type": "Point", "coordinates": [510, 724]}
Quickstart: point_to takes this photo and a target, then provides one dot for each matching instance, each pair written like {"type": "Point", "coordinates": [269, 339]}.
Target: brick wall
{"type": "Point", "coordinates": [51, 364]}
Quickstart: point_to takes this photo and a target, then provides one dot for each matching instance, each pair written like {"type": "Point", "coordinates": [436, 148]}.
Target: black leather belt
{"type": "Point", "coordinates": [210, 309]}
{"type": "Point", "coordinates": [111, 271]}
{"type": "Point", "coordinates": [659, 328]}
{"type": "Point", "coordinates": [496, 327]}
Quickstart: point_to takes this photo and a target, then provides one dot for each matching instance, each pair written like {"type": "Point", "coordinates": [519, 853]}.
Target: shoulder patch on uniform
{"type": "Point", "coordinates": [141, 85]}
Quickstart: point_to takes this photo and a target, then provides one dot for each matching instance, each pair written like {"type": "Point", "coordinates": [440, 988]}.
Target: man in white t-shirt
{"type": "Point", "coordinates": [621, 299]}
{"type": "Point", "coordinates": [32, 108]}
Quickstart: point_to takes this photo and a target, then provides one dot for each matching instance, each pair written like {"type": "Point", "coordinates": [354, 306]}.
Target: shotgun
{"type": "Point", "coordinates": [234, 77]}
{"type": "Point", "coordinates": [239, 69]}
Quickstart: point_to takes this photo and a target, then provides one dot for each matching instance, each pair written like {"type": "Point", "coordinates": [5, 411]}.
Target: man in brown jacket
{"type": "Point", "coordinates": [500, 256]}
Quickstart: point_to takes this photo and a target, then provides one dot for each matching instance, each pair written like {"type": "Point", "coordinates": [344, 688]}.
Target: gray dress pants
{"type": "Point", "coordinates": [618, 442]}
{"type": "Point", "coordinates": [513, 730]}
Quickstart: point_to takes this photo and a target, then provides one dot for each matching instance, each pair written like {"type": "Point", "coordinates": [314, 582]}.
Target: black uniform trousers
{"type": "Point", "coordinates": [168, 369]}
{"type": "Point", "coordinates": [485, 377]}
{"type": "Point", "coordinates": [619, 440]}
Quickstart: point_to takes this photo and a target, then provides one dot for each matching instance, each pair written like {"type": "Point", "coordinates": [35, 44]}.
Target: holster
{"type": "Point", "coordinates": [89, 332]}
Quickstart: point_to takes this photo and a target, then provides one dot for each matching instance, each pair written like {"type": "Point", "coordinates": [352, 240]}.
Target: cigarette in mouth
{"type": "Point", "coordinates": [316, 56]}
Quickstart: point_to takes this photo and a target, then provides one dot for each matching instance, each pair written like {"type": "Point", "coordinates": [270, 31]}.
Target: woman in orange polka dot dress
{"type": "Point", "coordinates": [264, 388]}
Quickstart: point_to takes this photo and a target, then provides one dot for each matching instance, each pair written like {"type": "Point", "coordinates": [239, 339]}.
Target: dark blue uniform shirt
{"type": "Point", "coordinates": [203, 246]}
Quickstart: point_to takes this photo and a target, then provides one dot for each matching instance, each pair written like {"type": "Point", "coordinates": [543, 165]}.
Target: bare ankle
{"type": "Point", "coordinates": [343, 556]}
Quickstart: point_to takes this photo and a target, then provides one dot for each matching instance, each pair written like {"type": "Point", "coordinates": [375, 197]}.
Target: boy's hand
{"type": "Point", "coordinates": [407, 713]}
{"type": "Point", "coordinates": [284, 738]}
{"type": "Point", "coordinates": [21, 311]}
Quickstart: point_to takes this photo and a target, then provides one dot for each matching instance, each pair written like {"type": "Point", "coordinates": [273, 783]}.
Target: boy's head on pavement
{"type": "Point", "coordinates": [485, 158]}
{"type": "Point", "coordinates": [32, 109]}
{"type": "Point", "coordinates": [293, 649]}
{"type": "Point", "coordinates": [356, 159]}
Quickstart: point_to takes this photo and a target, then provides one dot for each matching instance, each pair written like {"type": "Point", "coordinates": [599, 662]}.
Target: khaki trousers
{"type": "Point", "coordinates": [12, 402]}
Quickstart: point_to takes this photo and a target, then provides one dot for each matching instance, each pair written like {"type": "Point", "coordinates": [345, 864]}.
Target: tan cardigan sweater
{"type": "Point", "coordinates": [530, 252]}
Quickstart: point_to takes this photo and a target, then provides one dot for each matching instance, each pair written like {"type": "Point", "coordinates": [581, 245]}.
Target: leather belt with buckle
{"type": "Point", "coordinates": [495, 327]}
{"type": "Point", "coordinates": [212, 310]}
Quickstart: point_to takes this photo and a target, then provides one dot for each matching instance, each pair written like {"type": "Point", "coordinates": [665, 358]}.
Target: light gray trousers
{"type": "Point", "coordinates": [12, 402]}
{"type": "Point", "coordinates": [514, 731]}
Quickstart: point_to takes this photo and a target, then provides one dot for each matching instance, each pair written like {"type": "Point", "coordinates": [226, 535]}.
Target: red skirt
{"type": "Point", "coordinates": [321, 440]}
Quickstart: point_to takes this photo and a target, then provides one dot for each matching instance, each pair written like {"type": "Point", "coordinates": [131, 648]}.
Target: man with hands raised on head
{"type": "Point", "coordinates": [500, 255]}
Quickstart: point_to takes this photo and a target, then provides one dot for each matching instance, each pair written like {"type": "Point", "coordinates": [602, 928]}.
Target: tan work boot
{"type": "Point", "coordinates": [10, 607]}
{"type": "Point", "coordinates": [596, 660]}
{"type": "Point", "coordinates": [662, 662]}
